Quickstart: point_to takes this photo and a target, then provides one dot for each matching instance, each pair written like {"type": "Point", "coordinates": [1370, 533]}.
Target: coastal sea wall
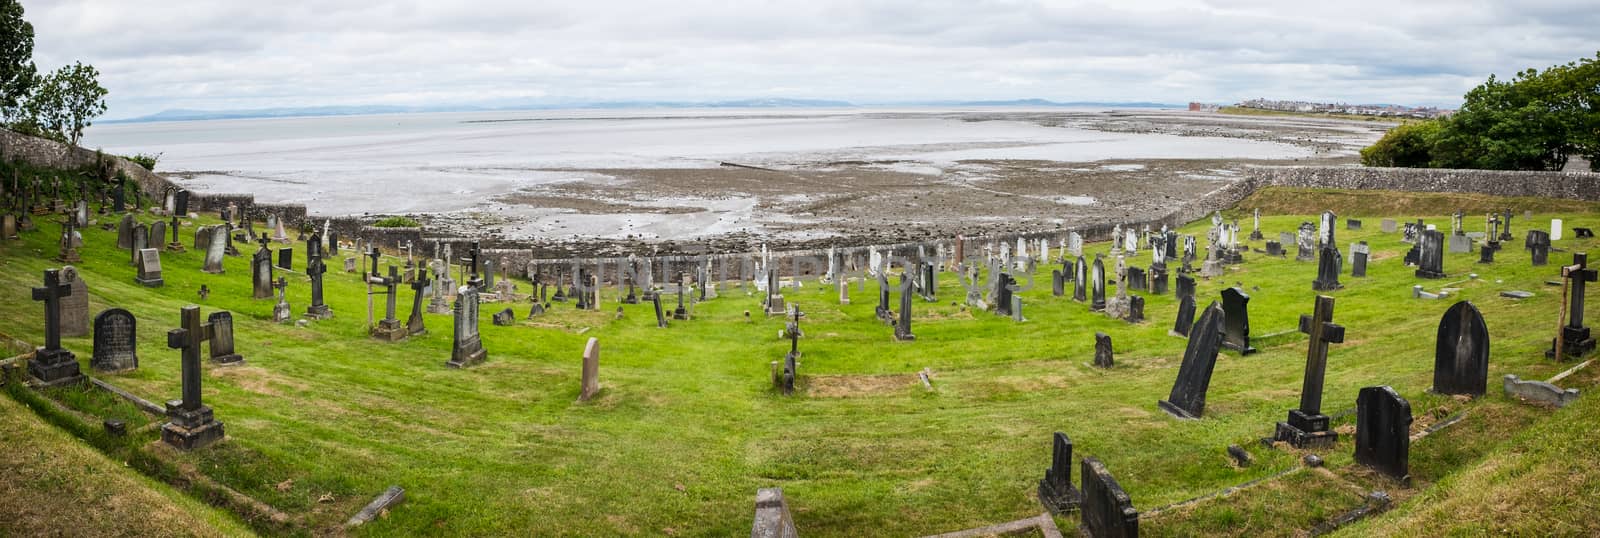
{"type": "Point", "coordinates": [522, 257]}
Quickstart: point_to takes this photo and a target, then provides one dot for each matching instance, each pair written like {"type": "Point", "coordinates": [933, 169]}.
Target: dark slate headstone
{"type": "Point", "coordinates": [1329, 261]}
{"type": "Point", "coordinates": [1275, 248]}
{"type": "Point", "coordinates": [125, 232]}
{"type": "Point", "coordinates": [902, 327]}
{"type": "Point", "coordinates": [1136, 281]}
{"type": "Point", "coordinates": [419, 287]}
{"type": "Point", "coordinates": [1185, 319]}
{"type": "Point", "coordinates": [1307, 427]}
{"type": "Point", "coordinates": [1102, 350]}
{"type": "Point", "coordinates": [315, 269]}
{"type": "Point", "coordinates": [1583, 233]}
{"type": "Point", "coordinates": [1575, 339]}
{"type": "Point", "coordinates": [661, 315]}
{"type": "Point", "coordinates": [115, 341]}
{"type": "Point", "coordinates": [1056, 491]}
{"type": "Point", "coordinates": [1188, 397]}
{"type": "Point", "coordinates": [1058, 283]}
{"type": "Point", "coordinates": [261, 277]}
{"type": "Point", "coordinates": [1080, 281]}
{"type": "Point", "coordinates": [1185, 286]}
{"type": "Point", "coordinates": [1135, 309]}
{"type": "Point", "coordinates": [1383, 432]}
{"type": "Point", "coordinates": [149, 268]}
{"type": "Point", "coordinates": [1097, 283]}
{"type": "Point", "coordinates": [1359, 254]}
{"type": "Point", "coordinates": [1486, 253]}
{"type": "Point", "coordinates": [1352, 224]}
{"type": "Point", "coordinates": [505, 318]}
{"type": "Point", "coordinates": [221, 337]}
{"type": "Point", "coordinates": [1461, 352]}
{"type": "Point", "coordinates": [1236, 303]}
{"type": "Point", "coordinates": [1538, 243]}
{"type": "Point", "coordinates": [1108, 511]}
{"type": "Point", "coordinates": [286, 259]}
{"type": "Point", "coordinates": [1158, 279]}
{"type": "Point", "coordinates": [1002, 298]}
{"type": "Point", "coordinates": [1430, 258]}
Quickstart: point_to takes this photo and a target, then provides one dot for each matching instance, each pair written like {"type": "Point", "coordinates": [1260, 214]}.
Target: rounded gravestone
{"type": "Point", "coordinates": [74, 307]}
{"type": "Point", "coordinates": [1461, 352]}
{"type": "Point", "coordinates": [115, 341]}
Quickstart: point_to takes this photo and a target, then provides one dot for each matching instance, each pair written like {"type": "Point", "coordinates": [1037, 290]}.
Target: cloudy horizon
{"type": "Point", "coordinates": [206, 55]}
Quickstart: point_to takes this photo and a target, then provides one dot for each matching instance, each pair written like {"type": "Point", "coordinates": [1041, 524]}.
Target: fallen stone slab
{"type": "Point", "coordinates": [390, 497]}
{"type": "Point", "coordinates": [1539, 391]}
{"type": "Point", "coordinates": [1516, 294]}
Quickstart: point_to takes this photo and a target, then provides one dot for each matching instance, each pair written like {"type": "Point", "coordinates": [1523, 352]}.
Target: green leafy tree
{"type": "Point", "coordinates": [17, 73]}
{"type": "Point", "coordinates": [66, 101]}
{"type": "Point", "coordinates": [1407, 146]}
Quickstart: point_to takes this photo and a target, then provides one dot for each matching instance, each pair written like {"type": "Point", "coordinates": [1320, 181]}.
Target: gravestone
{"type": "Point", "coordinates": [1188, 397]}
{"type": "Point", "coordinates": [1359, 254]}
{"type": "Point", "coordinates": [176, 245]}
{"type": "Point", "coordinates": [350, 265]}
{"type": "Point", "coordinates": [116, 347]}
{"type": "Point", "coordinates": [1185, 319]}
{"type": "Point", "coordinates": [1236, 303]}
{"type": "Point", "coordinates": [1461, 352]}
{"type": "Point", "coordinates": [281, 312]}
{"type": "Point", "coordinates": [1056, 491]}
{"type": "Point", "coordinates": [1136, 280]}
{"type": "Point", "coordinates": [505, 318]}
{"type": "Point", "coordinates": [215, 250]}
{"type": "Point", "coordinates": [1352, 224]}
{"type": "Point", "coordinates": [1255, 228]}
{"type": "Point", "coordinates": [1555, 229]}
{"type": "Point", "coordinates": [220, 334]}
{"type": "Point", "coordinates": [53, 365]}
{"type": "Point", "coordinates": [125, 232]}
{"type": "Point", "coordinates": [1383, 432]}
{"type": "Point", "coordinates": [1538, 243]}
{"type": "Point", "coordinates": [261, 275]}
{"type": "Point", "coordinates": [1058, 283]}
{"type": "Point", "coordinates": [1583, 233]}
{"type": "Point", "coordinates": [1102, 350]}
{"type": "Point", "coordinates": [1080, 280]}
{"type": "Point", "coordinates": [389, 328]}
{"type": "Point", "coordinates": [1108, 511]}
{"type": "Point", "coordinates": [1307, 427]}
{"type": "Point", "coordinates": [1575, 339]}
{"type": "Point", "coordinates": [1486, 253]}
{"type": "Point", "coordinates": [8, 226]}
{"type": "Point", "coordinates": [333, 242]}
{"type": "Point", "coordinates": [149, 268]}
{"type": "Point", "coordinates": [591, 370]}
{"type": "Point", "coordinates": [1430, 259]}
{"type": "Point", "coordinates": [772, 516]}
{"type": "Point", "coordinates": [1329, 261]}
{"type": "Point", "coordinates": [791, 361]}
{"type": "Point", "coordinates": [1097, 281]}
{"type": "Point", "coordinates": [1016, 309]}
{"type": "Point", "coordinates": [315, 269]}
{"type": "Point", "coordinates": [1460, 244]}
{"type": "Point", "coordinates": [141, 241]}
{"type": "Point", "coordinates": [1185, 286]}
{"type": "Point", "coordinates": [902, 329]}
{"type": "Point", "coordinates": [190, 424]}
{"type": "Point", "coordinates": [536, 310]}
{"type": "Point", "coordinates": [419, 288]}
{"type": "Point", "coordinates": [661, 316]}
{"type": "Point", "coordinates": [1306, 242]}
{"type": "Point", "coordinates": [1538, 391]}
{"type": "Point", "coordinates": [1158, 278]}
{"type": "Point", "coordinates": [467, 349]}
{"type": "Point", "coordinates": [75, 306]}
{"type": "Point", "coordinates": [158, 233]}
{"type": "Point", "coordinates": [286, 259]}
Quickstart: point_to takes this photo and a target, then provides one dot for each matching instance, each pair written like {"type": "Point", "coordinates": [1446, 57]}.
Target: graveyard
{"type": "Point", "coordinates": [942, 419]}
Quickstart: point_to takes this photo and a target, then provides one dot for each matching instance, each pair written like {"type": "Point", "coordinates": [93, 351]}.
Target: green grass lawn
{"type": "Point", "coordinates": [686, 428]}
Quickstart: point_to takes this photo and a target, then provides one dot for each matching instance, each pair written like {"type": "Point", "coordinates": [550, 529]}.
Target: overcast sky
{"type": "Point", "coordinates": [235, 54]}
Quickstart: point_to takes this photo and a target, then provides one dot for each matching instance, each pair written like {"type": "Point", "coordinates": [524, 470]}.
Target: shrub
{"type": "Point", "coordinates": [397, 222]}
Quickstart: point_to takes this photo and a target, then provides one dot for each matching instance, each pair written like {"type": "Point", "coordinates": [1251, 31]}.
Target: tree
{"type": "Point", "coordinates": [17, 73]}
{"type": "Point", "coordinates": [1407, 146]}
{"type": "Point", "coordinates": [66, 101]}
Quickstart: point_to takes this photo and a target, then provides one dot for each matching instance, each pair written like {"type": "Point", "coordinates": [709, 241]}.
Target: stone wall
{"type": "Point", "coordinates": [1568, 185]}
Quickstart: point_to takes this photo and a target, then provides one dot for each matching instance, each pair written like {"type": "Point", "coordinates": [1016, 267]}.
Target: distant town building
{"type": "Point", "coordinates": [1202, 107]}
{"type": "Point", "coordinates": [1396, 111]}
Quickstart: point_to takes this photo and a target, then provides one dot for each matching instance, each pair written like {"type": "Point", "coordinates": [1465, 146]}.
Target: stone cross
{"type": "Point", "coordinates": [1574, 339]}
{"type": "Point", "coordinates": [315, 268]}
{"type": "Point", "coordinates": [52, 364]}
{"type": "Point", "coordinates": [1307, 426]}
{"type": "Point", "coordinates": [414, 323]}
{"type": "Point", "coordinates": [192, 425]}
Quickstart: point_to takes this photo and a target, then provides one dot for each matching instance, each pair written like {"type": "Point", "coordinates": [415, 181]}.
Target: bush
{"type": "Point", "coordinates": [1406, 146]}
{"type": "Point", "coordinates": [397, 222]}
{"type": "Point", "coordinates": [146, 160]}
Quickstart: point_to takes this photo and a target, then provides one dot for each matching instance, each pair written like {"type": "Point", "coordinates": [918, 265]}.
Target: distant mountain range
{"type": "Point", "coordinates": [360, 110]}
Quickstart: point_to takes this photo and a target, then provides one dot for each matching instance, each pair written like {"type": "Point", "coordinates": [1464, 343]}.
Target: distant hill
{"type": "Point", "coordinates": [357, 110]}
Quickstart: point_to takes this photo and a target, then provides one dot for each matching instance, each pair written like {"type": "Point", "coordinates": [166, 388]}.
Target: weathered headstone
{"type": "Point", "coordinates": [419, 288]}
{"type": "Point", "coordinates": [286, 258]}
{"type": "Point", "coordinates": [772, 516]}
{"type": "Point", "coordinates": [1185, 318]}
{"type": "Point", "coordinates": [591, 370]}
{"type": "Point", "coordinates": [1097, 281]}
{"type": "Point", "coordinates": [315, 269]}
{"type": "Point", "coordinates": [1538, 243]}
{"type": "Point", "coordinates": [1102, 350]}
{"type": "Point", "coordinates": [216, 249]}
{"type": "Point", "coordinates": [389, 328]}
{"type": "Point", "coordinates": [505, 318]}
{"type": "Point", "coordinates": [1461, 352]}
{"type": "Point", "coordinates": [1188, 397]}
{"type": "Point", "coordinates": [791, 361]}
{"type": "Point", "coordinates": [190, 424]}
{"type": "Point", "coordinates": [1329, 261]}
{"type": "Point", "coordinates": [1186, 286]}
{"type": "Point", "coordinates": [53, 365]}
{"type": "Point", "coordinates": [1108, 511]}
{"type": "Point", "coordinates": [261, 276]}
{"type": "Point", "coordinates": [1080, 280]}
{"type": "Point", "coordinates": [219, 333]}
{"type": "Point", "coordinates": [149, 268]}
{"type": "Point", "coordinates": [661, 315]}
{"type": "Point", "coordinates": [115, 342]}
{"type": "Point", "coordinates": [1307, 427]}
{"type": "Point", "coordinates": [1430, 260]}
{"type": "Point", "coordinates": [1306, 242]}
{"type": "Point", "coordinates": [468, 347]}
{"type": "Point", "coordinates": [1538, 391]}
{"type": "Point", "coordinates": [281, 312]}
{"type": "Point", "coordinates": [1236, 303]}
{"type": "Point", "coordinates": [902, 328]}
{"type": "Point", "coordinates": [125, 232]}
{"type": "Point", "coordinates": [1056, 491]}
{"type": "Point", "coordinates": [141, 241]}
{"type": "Point", "coordinates": [1575, 339]}
{"type": "Point", "coordinates": [1383, 432]}
{"type": "Point", "coordinates": [1058, 283]}
{"type": "Point", "coordinates": [74, 307]}
{"type": "Point", "coordinates": [1359, 254]}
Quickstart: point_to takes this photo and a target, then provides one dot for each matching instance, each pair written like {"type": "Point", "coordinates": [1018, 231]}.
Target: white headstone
{"type": "Point", "coordinates": [1555, 229]}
